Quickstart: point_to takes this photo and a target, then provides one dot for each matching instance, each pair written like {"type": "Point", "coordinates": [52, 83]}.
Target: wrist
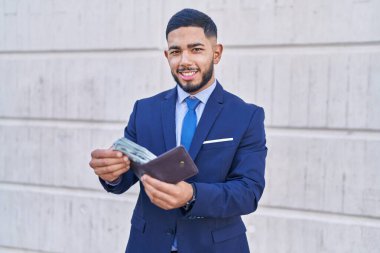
{"type": "Point", "coordinates": [191, 201]}
{"type": "Point", "coordinates": [113, 182]}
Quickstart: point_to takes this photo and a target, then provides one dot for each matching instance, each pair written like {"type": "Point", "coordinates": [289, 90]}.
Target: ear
{"type": "Point", "coordinates": [166, 54]}
{"type": "Point", "coordinates": [218, 50]}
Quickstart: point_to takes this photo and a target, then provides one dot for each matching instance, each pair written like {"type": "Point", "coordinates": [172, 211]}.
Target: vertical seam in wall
{"type": "Point", "coordinates": [309, 84]}
{"type": "Point", "coordinates": [290, 88]}
{"type": "Point", "coordinates": [348, 67]}
{"type": "Point", "coordinates": [256, 81]}
{"type": "Point", "coordinates": [328, 92]}
{"type": "Point", "coordinates": [272, 91]}
{"type": "Point", "coordinates": [369, 75]}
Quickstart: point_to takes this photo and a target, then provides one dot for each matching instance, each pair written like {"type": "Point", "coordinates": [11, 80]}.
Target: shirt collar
{"type": "Point", "coordinates": [203, 96]}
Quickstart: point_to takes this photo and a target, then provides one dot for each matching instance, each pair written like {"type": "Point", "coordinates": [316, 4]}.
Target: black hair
{"type": "Point", "coordinates": [191, 17]}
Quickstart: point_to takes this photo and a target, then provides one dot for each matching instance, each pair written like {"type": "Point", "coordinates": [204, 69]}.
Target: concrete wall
{"type": "Point", "coordinates": [71, 70]}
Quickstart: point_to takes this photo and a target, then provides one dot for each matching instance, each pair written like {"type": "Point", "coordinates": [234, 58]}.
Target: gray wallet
{"type": "Point", "coordinates": [172, 166]}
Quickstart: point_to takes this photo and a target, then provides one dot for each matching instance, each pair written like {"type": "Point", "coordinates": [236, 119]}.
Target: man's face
{"type": "Point", "coordinates": [191, 56]}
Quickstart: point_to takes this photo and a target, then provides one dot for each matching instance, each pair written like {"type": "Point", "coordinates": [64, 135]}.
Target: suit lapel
{"type": "Point", "coordinates": [213, 107]}
{"type": "Point", "coordinates": [168, 118]}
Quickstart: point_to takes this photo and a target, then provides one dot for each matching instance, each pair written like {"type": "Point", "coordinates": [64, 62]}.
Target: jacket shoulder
{"type": "Point", "coordinates": [158, 97]}
{"type": "Point", "coordinates": [238, 103]}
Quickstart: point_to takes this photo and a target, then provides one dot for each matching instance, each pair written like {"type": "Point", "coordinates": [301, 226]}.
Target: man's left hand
{"type": "Point", "coordinates": [167, 196]}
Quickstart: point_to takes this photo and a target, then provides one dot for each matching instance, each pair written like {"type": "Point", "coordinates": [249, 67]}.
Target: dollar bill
{"type": "Point", "coordinates": [135, 152]}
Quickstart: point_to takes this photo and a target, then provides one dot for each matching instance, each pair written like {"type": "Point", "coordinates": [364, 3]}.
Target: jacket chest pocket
{"type": "Point", "coordinates": [215, 145]}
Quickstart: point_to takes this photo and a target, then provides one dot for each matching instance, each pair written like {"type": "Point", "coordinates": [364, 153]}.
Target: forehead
{"type": "Point", "coordinates": [187, 35]}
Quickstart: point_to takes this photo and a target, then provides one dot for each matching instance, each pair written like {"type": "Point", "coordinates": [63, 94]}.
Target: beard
{"type": "Point", "coordinates": [190, 87]}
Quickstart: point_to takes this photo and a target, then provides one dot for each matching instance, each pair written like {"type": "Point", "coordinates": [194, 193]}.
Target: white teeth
{"type": "Point", "coordinates": [188, 73]}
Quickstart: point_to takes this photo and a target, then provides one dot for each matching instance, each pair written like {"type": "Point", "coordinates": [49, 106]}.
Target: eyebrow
{"type": "Point", "coordinates": [175, 47]}
{"type": "Point", "coordinates": [195, 45]}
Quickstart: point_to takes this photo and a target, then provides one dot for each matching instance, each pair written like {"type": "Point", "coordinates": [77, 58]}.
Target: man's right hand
{"type": "Point", "coordinates": [109, 164]}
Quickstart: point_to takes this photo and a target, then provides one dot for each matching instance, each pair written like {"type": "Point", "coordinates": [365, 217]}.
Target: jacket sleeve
{"type": "Point", "coordinates": [129, 178]}
{"type": "Point", "coordinates": [245, 182]}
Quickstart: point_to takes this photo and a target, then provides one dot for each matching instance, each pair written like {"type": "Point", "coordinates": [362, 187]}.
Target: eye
{"type": "Point", "coordinates": [174, 52]}
{"type": "Point", "coordinates": [197, 50]}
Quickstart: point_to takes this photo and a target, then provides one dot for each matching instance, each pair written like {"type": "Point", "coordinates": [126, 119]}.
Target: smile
{"type": "Point", "coordinates": [187, 74]}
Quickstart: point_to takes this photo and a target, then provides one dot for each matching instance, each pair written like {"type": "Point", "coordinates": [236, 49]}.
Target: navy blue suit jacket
{"type": "Point", "coordinates": [229, 184]}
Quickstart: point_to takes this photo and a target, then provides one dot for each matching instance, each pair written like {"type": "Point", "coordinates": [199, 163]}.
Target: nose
{"type": "Point", "coordinates": [185, 59]}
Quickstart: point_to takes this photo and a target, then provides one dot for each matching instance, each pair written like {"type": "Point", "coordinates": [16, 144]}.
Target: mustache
{"type": "Point", "coordinates": [187, 69]}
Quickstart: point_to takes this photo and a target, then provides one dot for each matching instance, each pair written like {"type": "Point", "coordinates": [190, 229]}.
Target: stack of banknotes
{"type": "Point", "coordinates": [135, 152]}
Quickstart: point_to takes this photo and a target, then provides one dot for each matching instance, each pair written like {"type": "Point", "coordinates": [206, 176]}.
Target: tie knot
{"type": "Point", "coordinates": [192, 102]}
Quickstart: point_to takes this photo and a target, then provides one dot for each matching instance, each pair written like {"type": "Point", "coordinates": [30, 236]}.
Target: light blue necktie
{"type": "Point", "coordinates": [189, 123]}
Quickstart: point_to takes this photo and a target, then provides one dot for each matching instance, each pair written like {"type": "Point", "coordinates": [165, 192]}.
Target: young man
{"type": "Point", "coordinates": [224, 136]}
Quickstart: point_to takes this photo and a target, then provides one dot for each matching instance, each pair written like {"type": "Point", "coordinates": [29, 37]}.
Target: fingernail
{"type": "Point", "coordinates": [119, 154]}
{"type": "Point", "coordinates": [125, 158]}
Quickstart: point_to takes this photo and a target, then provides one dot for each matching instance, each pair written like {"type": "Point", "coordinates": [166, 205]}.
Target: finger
{"type": "Point", "coordinates": [167, 188]}
{"type": "Point", "coordinates": [164, 205]}
{"type": "Point", "coordinates": [155, 194]}
{"type": "Point", "coordinates": [110, 168]}
{"type": "Point", "coordinates": [161, 199]}
{"type": "Point", "coordinates": [114, 175]}
{"type": "Point", "coordinates": [106, 153]}
{"type": "Point", "coordinates": [111, 177]}
{"type": "Point", "coordinates": [156, 201]}
{"type": "Point", "coordinates": [147, 191]}
{"type": "Point", "coordinates": [108, 161]}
